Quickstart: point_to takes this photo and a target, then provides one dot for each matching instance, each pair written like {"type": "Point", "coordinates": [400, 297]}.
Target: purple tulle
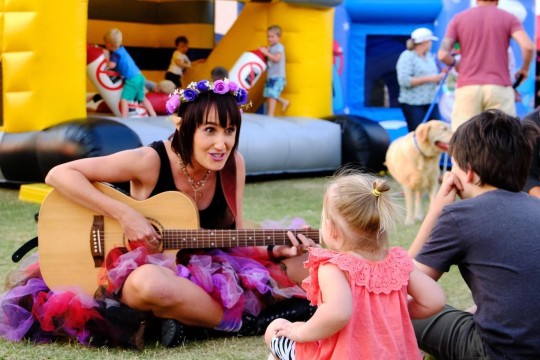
{"type": "Point", "coordinates": [15, 321]}
{"type": "Point", "coordinates": [126, 263]}
{"type": "Point", "coordinates": [238, 283]}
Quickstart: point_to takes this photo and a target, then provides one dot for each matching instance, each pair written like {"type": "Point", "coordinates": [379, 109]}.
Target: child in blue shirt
{"type": "Point", "coordinates": [134, 82]}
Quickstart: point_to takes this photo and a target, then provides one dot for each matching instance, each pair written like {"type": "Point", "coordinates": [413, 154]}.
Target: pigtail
{"type": "Point", "coordinates": [387, 208]}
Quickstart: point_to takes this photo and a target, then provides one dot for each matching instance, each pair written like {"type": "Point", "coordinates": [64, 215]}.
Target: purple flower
{"type": "Point", "coordinates": [232, 86]}
{"type": "Point", "coordinates": [202, 86]}
{"type": "Point", "coordinates": [189, 95]}
{"type": "Point", "coordinates": [172, 104]}
{"type": "Point", "coordinates": [241, 96]}
{"type": "Point", "coordinates": [220, 87]}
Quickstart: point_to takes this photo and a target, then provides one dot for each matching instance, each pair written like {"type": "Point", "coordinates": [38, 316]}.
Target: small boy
{"type": "Point", "coordinates": [493, 236]}
{"type": "Point", "coordinates": [134, 82]}
{"type": "Point", "coordinates": [275, 73]}
{"type": "Point", "coordinates": [179, 61]}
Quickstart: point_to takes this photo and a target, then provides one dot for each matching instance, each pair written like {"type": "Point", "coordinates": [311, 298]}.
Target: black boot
{"type": "Point", "coordinates": [294, 309]}
{"type": "Point", "coordinates": [174, 333]}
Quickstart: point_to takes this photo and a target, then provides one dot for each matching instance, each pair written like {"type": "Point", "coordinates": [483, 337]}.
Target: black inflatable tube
{"type": "Point", "coordinates": [27, 157]}
{"type": "Point", "coordinates": [364, 142]}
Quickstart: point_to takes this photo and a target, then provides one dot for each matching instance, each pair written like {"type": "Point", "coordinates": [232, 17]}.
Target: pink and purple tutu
{"type": "Point", "coordinates": [241, 279]}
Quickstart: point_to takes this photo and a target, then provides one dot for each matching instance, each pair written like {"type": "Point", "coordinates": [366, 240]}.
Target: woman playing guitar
{"type": "Point", "coordinates": [220, 289]}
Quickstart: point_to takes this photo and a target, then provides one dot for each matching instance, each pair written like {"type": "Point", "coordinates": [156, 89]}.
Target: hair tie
{"type": "Point", "coordinates": [376, 192]}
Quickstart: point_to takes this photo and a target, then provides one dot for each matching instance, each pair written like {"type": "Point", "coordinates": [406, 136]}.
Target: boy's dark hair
{"type": "Point", "coordinates": [497, 147]}
{"type": "Point", "coordinates": [181, 40]}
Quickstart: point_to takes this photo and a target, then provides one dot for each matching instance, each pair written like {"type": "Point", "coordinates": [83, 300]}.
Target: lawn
{"type": "Point", "coordinates": [265, 199]}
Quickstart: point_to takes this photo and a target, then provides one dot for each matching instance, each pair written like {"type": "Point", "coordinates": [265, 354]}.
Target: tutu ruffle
{"type": "Point", "coordinates": [29, 309]}
{"type": "Point", "coordinates": [242, 280]}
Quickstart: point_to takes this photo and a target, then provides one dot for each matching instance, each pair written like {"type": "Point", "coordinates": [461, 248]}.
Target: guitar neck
{"type": "Point", "coordinates": [202, 238]}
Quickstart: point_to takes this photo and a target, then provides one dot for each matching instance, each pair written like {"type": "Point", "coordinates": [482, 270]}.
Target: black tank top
{"type": "Point", "coordinates": [217, 215]}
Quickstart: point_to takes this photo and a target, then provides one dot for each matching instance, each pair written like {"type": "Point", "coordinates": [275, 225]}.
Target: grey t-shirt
{"type": "Point", "coordinates": [494, 239]}
{"type": "Point", "coordinates": [276, 69]}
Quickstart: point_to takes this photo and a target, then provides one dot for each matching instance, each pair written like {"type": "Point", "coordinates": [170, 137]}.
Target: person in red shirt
{"type": "Point", "coordinates": [483, 33]}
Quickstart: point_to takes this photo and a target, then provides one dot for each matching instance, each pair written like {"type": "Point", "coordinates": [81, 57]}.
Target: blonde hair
{"type": "Point", "coordinates": [113, 37]}
{"type": "Point", "coordinates": [361, 208]}
{"type": "Point", "coordinates": [276, 29]}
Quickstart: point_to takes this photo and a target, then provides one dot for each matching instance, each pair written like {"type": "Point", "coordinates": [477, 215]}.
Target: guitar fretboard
{"type": "Point", "coordinates": [193, 239]}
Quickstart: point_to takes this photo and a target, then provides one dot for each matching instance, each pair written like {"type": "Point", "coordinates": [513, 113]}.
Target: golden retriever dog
{"type": "Point", "coordinates": [413, 161]}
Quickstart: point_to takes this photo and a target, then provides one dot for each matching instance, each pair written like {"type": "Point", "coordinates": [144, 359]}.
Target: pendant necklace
{"type": "Point", "coordinates": [195, 185]}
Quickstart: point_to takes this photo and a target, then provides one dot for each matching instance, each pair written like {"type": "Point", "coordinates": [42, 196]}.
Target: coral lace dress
{"type": "Point", "coordinates": [380, 327]}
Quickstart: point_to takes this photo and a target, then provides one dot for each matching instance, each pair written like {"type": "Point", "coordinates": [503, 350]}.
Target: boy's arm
{"type": "Point", "coordinates": [446, 195]}
{"type": "Point", "coordinates": [273, 57]}
{"type": "Point", "coordinates": [183, 62]}
{"type": "Point", "coordinates": [110, 63]}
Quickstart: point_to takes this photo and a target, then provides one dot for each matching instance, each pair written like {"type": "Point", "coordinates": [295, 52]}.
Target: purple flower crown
{"type": "Point", "coordinates": [193, 90]}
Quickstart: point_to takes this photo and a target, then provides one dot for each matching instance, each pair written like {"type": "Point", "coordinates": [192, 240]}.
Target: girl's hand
{"type": "Point", "coordinates": [291, 331]}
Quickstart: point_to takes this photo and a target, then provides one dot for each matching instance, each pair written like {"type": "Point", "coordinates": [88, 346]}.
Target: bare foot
{"type": "Point", "coordinates": [285, 105]}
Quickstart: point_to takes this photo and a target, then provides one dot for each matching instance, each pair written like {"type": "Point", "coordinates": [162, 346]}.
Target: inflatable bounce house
{"type": "Point", "coordinates": [341, 78]}
{"type": "Point", "coordinates": [370, 36]}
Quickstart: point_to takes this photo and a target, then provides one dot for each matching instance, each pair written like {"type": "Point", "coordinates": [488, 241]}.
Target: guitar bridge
{"type": "Point", "coordinates": [97, 243]}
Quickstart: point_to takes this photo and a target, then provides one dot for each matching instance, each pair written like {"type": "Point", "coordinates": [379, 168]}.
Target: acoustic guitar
{"type": "Point", "coordinates": [74, 241]}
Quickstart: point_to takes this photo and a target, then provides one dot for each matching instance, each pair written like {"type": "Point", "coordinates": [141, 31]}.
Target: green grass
{"type": "Point", "coordinates": [264, 200]}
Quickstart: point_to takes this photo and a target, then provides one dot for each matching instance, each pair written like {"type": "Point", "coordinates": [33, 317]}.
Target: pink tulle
{"type": "Point", "coordinates": [65, 313]}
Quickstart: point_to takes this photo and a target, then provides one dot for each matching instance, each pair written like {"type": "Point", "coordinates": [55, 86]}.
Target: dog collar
{"type": "Point", "coordinates": [418, 146]}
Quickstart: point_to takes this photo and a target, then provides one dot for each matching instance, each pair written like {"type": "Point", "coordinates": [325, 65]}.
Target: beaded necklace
{"type": "Point", "coordinates": [195, 185]}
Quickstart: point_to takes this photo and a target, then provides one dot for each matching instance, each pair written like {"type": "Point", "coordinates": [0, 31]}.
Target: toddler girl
{"type": "Point", "coordinates": [359, 284]}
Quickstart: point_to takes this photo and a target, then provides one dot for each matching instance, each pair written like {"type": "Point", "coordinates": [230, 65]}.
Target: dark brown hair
{"type": "Point", "coordinates": [497, 147]}
{"type": "Point", "coordinates": [195, 114]}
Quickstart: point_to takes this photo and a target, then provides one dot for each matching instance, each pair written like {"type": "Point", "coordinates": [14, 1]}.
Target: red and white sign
{"type": "Point", "coordinates": [248, 69]}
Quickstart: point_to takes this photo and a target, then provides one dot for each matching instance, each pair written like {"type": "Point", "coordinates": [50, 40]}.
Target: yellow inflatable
{"type": "Point", "coordinates": [43, 57]}
{"type": "Point", "coordinates": [308, 46]}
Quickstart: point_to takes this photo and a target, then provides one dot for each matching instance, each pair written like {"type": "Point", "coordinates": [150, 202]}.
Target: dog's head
{"type": "Point", "coordinates": [433, 137]}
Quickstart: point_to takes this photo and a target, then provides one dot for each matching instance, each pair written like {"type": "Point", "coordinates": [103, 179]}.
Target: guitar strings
{"type": "Point", "coordinates": [223, 238]}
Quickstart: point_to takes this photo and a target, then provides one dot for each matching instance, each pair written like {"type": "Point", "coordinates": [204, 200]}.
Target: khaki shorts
{"type": "Point", "coordinates": [471, 100]}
